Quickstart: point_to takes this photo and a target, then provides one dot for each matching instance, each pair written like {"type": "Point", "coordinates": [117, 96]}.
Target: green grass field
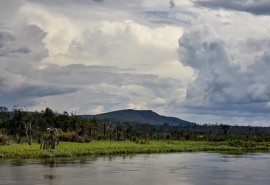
{"type": "Point", "coordinates": [68, 149]}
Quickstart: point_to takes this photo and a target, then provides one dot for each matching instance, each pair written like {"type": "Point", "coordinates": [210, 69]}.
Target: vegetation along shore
{"type": "Point", "coordinates": [49, 134]}
{"type": "Point", "coordinates": [70, 149]}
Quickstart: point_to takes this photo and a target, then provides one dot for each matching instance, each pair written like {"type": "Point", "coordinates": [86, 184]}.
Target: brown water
{"type": "Point", "coordinates": [154, 169]}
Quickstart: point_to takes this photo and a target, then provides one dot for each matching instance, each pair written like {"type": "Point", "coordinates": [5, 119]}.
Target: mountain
{"type": "Point", "coordinates": [139, 116]}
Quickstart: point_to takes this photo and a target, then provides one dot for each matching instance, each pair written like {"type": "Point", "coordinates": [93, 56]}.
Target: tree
{"type": "Point", "coordinates": [225, 129]}
{"type": "Point", "coordinates": [49, 116]}
{"type": "Point", "coordinates": [104, 130]}
{"type": "Point", "coordinates": [62, 121]}
{"type": "Point", "coordinates": [3, 116]}
{"type": "Point", "coordinates": [125, 128]}
{"type": "Point", "coordinates": [92, 127]}
{"type": "Point", "coordinates": [15, 126]}
{"type": "Point", "coordinates": [85, 130]}
{"type": "Point", "coordinates": [74, 124]}
{"type": "Point", "coordinates": [20, 124]}
{"type": "Point", "coordinates": [28, 128]}
{"type": "Point", "coordinates": [110, 130]}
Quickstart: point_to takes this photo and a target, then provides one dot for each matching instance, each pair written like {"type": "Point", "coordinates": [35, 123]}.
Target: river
{"type": "Point", "coordinates": [153, 169]}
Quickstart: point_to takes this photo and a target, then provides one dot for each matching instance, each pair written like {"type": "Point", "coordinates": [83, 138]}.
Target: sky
{"type": "Point", "coordinates": [205, 61]}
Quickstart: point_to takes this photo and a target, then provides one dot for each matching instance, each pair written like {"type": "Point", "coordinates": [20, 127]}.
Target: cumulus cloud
{"type": "Point", "coordinates": [76, 56]}
{"type": "Point", "coordinates": [201, 50]}
{"type": "Point", "coordinates": [257, 7]}
{"type": "Point", "coordinates": [226, 83]}
{"type": "Point", "coordinates": [60, 31]}
{"type": "Point", "coordinates": [124, 42]}
{"type": "Point", "coordinates": [20, 53]}
{"type": "Point", "coordinates": [90, 64]}
{"type": "Point", "coordinates": [130, 45]}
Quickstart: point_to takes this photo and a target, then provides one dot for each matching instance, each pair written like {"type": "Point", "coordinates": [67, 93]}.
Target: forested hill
{"type": "Point", "coordinates": [140, 116]}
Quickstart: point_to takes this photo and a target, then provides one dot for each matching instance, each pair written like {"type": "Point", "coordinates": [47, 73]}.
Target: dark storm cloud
{"type": "Point", "coordinates": [20, 50]}
{"type": "Point", "coordinates": [257, 7]}
{"type": "Point", "coordinates": [36, 90]}
{"type": "Point", "coordinates": [24, 50]}
{"type": "Point", "coordinates": [93, 75]}
{"type": "Point", "coordinates": [5, 37]}
{"type": "Point", "coordinates": [112, 87]}
{"type": "Point", "coordinates": [26, 94]}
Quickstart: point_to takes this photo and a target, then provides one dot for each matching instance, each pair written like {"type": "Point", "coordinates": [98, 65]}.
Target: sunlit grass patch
{"type": "Point", "coordinates": [70, 149]}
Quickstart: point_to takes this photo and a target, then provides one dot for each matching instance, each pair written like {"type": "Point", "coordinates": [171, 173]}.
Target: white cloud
{"type": "Point", "coordinates": [126, 43]}
{"type": "Point", "coordinates": [97, 110]}
{"type": "Point", "coordinates": [138, 106]}
{"type": "Point", "coordinates": [131, 45]}
{"type": "Point", "coordinates": [231, 68]}
{"type": "Point", "coordinates": [45, 40]}
{"type": "Point", "coordinates": [99, 56]}
{"type": "Point", "coordinates": [60, 31]}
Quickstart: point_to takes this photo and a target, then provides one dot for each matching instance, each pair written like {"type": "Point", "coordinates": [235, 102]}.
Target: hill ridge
{"type": "Point", "coordinates": [140, 116]}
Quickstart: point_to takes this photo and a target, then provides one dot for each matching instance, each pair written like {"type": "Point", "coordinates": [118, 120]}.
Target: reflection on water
{"type": "Point", "coordinates": [154, 169]}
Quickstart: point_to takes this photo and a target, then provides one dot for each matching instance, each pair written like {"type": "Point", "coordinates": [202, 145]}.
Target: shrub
{"type": "Point", "coordinates": [3, 139]}
{"type": "Point", "coordinates": [235, 143]}
{"type": "Point", "coordinates": [67, 136]}
{"type": "Point", "coordinates": [242, 144]}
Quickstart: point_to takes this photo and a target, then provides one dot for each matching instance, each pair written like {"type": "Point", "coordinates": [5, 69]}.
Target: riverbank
{"type": "Point", "coordinates": [68, 149]}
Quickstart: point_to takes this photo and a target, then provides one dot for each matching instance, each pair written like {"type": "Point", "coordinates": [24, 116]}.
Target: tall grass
{"type": "Point", "coordinates": [69, 149]}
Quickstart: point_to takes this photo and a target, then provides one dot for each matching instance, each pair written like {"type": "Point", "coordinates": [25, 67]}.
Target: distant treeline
{"type": "Point", "coordinates": [15, 126]}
